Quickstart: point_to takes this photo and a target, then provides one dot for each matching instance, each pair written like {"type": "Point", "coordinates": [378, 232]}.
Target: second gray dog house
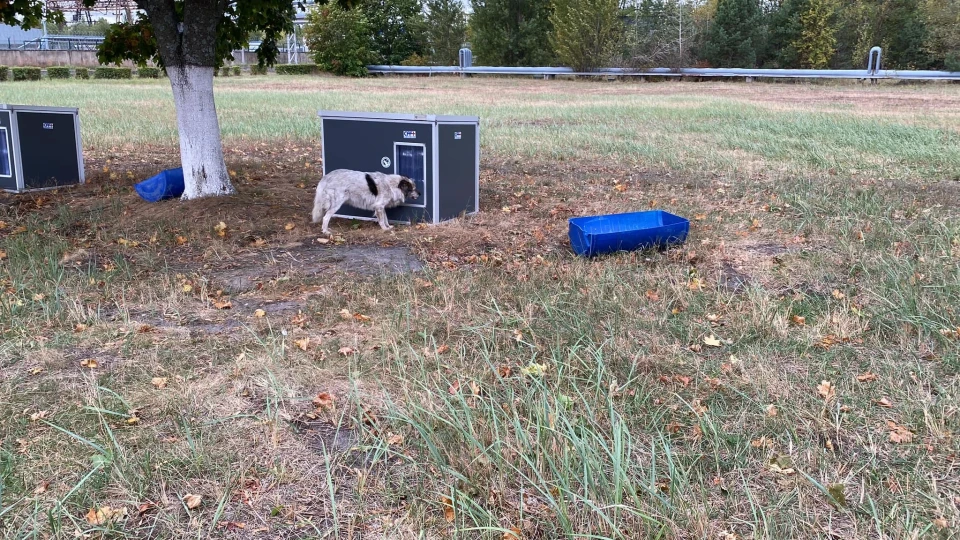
{"type": "Point", "coordinates": [39, 148]}
{"type": "Point", "coordinates": [440, 153]}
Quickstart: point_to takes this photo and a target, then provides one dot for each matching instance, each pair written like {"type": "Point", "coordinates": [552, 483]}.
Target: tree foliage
{"type": "Point", "coordinates": [734, 38]}
{"type": "Point", "coordinates": [399, 29]}
{"type": "Point", "coordinates": [340, 40]}
{"type": "Point", "coordinates": [585, 32]}
{"type": "Point", "coordinates": [817, 41]}
{"type": "Point", "coordinates": [511, 32]}
{"type": "Point", "coordinates": [208, 36]}
{"type": "Point", "coordinates": [446, 30]}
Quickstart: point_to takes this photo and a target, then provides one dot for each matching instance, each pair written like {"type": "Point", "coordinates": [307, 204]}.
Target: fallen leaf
{"type": "Point", "coordinates": [192, 501]}
{"type": "Point", "coordinates": [41, 487]}
{"type": "Point", "coordinates": [259, 313]}
{"type": "Point", "coordinates": [713, 317]}
{"type": "Point", "coordinates": [39, 415]}
{"type": "Point", "coordinates": [762, 442]}
{"type": "Point", "coordinates": [3, 254]}
{"type": "Point", "coordinates": [180, 240]}
{"type": "Point", "coordinates": [89, 363]}
{"type": "Point", "coordinates": [303, 344]}
{"type": "Point", "coordinates": [898, 433]}
{"type": "Point", "coordinates": [223, 304]}
{"type": "Point", "coordinates": [782, 464]}
{"type": "Point", "coordinates": [324, 400]}
{"type": "Point", "coordinates": [867, 377]}
{"type": "Point", "coordinates": [290, 226]}
{"type": "Point", "coordinates": [504, 371]}
{"type": "Point", "coordinates": [448, 509]}
{"type": "Point", "coordinates": [443, 349]}
{"type": "Point", "coordinates": [36, 371]}
{"type": "Point", "coordinates": [159, 382]}
{"type": "Point", "coordinates": [38, 297]}
{"type": "Point", "coordinates": [798, 320]}
{"type": "Point", "coordinates": [712, 341]}
{"type": "Point", "coordinates": [80, 327]}
{"type": "Point", "coordinates": [771, 410]}
{"type": "Point", "coordinates": [454, 388]}
{"type": "Point", "coordinates": [474, 388]}
{"type": "Point", "coordinates": [187, 287]}
{"type": "Point", "coordinates": [534, 369]}
{"type": "Point", "coordinates": [323, 240]}
{"type": "Point", "coordinates": [345, 314]}
{"type": "Point", "coordinates": [652, 295]}
{"type": "Point", "coordinates": [346, 351]}
{"type": "Point", "coordinates": [517, 336]}
{"type": "Point", "coordinates": [699, 217]}
{"type": "Point", "coordinates": [837, 492]}
{"type": "Point", "coordinates": [221, 229]}
{"type": "Point", "coordinates": [941, 523]}
{"type": "Point", "coordinates": [360, 317]}
{"type": "Point", "coordinates": [394, 439]}
{"type": "Point", "coordinates": [103, 515]}
{"type": "Point", "coordinates": [513, 534]}
{"type": "Point", "coordinates": [133, 420]}
{"type": "Point", "coordinates": [826, 390]}
{"type": "Point", "coordinates": [837, 294]}
{"type": "Point", "coordinates": [885, 403]}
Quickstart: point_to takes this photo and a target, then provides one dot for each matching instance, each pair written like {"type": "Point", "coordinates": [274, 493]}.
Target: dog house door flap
{"type": "Point", "coordinates": [8, 176]}
{"type": "Point", "coordinates": [410, 160]}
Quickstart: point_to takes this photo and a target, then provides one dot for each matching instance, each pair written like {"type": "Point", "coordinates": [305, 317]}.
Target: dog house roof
{"type": "Point", "coordinates": [38, 108]}
{"type": "Point", "coordinates": [398, 116]}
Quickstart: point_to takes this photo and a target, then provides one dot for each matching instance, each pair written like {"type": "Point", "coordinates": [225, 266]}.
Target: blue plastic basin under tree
{"type": "Point", "coordinates": [166, 185]}
{"type": "Point", "coordinates": [593, 235]}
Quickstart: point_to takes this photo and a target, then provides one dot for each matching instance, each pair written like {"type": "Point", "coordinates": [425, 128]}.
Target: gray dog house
{"type": "Point", "coordinates": [440, 153]}
{"type": "Point", "coordinates": [39, 148]}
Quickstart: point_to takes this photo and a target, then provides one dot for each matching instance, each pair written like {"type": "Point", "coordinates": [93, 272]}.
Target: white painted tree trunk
{"type": "Point", "coordinates": [201, 153]}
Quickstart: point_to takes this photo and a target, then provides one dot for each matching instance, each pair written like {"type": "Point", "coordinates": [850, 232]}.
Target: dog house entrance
{"type": "Point", "coordinates": [5, 169]}
{"type": "Point", "coordinates": [410, 160]}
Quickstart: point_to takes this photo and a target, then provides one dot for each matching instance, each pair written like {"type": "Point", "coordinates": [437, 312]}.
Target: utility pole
{"type": "Point", "coordinates": [680, 39]}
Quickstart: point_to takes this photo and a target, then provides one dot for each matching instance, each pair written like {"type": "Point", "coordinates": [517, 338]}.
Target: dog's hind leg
{"type": "Point", "coordinates": [318, 211]}
{"type": "Point", "coordinates": [334, 206]}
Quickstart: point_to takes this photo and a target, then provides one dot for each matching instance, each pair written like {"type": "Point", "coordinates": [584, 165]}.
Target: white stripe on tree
{"type": "Point", "coordinates": [201, 152]}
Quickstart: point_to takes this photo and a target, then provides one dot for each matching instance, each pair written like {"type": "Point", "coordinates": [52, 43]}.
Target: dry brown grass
{"type": "Point", "coordinates": [636, 428]}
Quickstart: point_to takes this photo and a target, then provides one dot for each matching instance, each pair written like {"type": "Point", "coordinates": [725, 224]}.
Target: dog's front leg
{"type": "Point", "coordinates": [382, 218]}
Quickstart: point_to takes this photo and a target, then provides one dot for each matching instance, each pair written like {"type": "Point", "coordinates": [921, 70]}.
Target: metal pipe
{"type": "Point", "coordinates": [685, 72]}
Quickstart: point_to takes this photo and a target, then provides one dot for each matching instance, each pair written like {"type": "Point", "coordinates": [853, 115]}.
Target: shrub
{"type": "Point", "coordinates": [58, 72]}
{"type": "Point", "coordinates": [82, 73]}
{"type": "Point", "coordinates": [148, 73]}
{"type": "Point", "coordinates": [414, 60]}
{"type": "Point", "coordinates": [236, 71]}
{"type": "Point", "coordinates": [26, 73]}
{"type": "Point", "coordinates": [258, 70]}
{"type": "Point", "coordinates": [113, 73]}
{"type": "Point", "coordinates": [4, 73]}
{"type": "Point", "coordinates": [340, 39]}
{"type": "Point", "coordinates": [296, 69]}
{"type": "Point", "coordinates": [225, 71]}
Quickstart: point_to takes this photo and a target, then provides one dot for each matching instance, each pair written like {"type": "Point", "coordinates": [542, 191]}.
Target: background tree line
{"type": "Point", "coordinates": [586, 34]}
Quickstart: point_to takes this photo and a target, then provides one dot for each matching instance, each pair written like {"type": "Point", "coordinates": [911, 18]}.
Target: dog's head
{"type": "Point", "coordinates": [408, 187]}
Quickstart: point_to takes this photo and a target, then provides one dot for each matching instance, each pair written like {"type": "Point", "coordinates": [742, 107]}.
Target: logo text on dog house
{"type": "Point", "coordinates": [409, 134]}
{"type": "Point", "coordinates": [457, 135]}
{"type": "Point", "coordinates": [48, 125]}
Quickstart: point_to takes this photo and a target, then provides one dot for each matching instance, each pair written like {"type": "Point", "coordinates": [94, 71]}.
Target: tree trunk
{"type": "Point", "coordinates": [201, 153]}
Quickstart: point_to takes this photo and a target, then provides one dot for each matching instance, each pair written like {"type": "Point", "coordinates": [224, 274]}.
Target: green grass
{"type": "Point", "coordinates": [521, 388]}
{"type": "Point", "coordinates": [687, 129]}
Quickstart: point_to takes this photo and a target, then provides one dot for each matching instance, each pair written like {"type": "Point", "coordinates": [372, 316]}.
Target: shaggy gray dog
{"type": "Point", "coordinates": [368, 191]}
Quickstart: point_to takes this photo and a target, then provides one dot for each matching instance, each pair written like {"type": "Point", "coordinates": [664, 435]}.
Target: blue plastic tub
{"type": "Point", "coordinates": [593, 235]}
{"type": "Point", "coordinates": [166, 185]}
